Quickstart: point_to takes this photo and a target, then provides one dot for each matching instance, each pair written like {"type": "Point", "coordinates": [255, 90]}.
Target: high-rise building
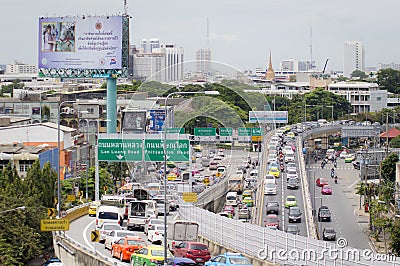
{"type": "Point", "coordinates": [203, 61]}
{"type": "Point", "coordinates": [20, 68]}
{"type": "Point", "coordinates": [353, 57]}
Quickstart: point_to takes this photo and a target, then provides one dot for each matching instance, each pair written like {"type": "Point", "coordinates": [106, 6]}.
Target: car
{"type": "Point", "coordinates": [293, 229]}
{"type": "Point", "coordinates": [247, 193]}
{"type": "Point", "coordinates": [272, 158]}
{"type": "Point", "coordinates": [243, 168]}
{"type": "Point", "coordinates": [357, 165]}
{"type": "Point", "coordinates": [156, 234]}
{"type": "Point", "coordinates": [293, 183]}
{"type": "Point", "coordinates": [272, 221]}
{"type": "Point", "coordinates": [176, 261]}
{"type": "Point", "coordinates": [124, 247]}
{"type": "Point", "coordinates": [199, 155]}
{"type": "Point", "coordinates": [321, 182]}
{"type": "Point", "coordinates": [196, 251]}
{"type": "Point", "coordinates": [269, 179]}
{"type": "Point", "coordinates": [326, 190]}
{"type": "Point", "coordinates": [172, 177]}
{"type": "Point", "coordinates": [106, 228]}
{"type": "Point", "coordinates": [200, 167]}
{"type": "Point", "coordinates": [290, 201]}
{"type": "Point", "coordinates": [213, 165]}
{"type": "Point", "coordinates": [221, 153]}
{"type": "Point", "coordinates": [291, 166]}
{"type": "Point", "coordinates": [248, 201]}
{"type": "Point", "coordinates": [349, 158]}
{"type": "Point", "coordinates": [225, 214]}
{"type": "Point", "coordinates": [244, 213]}
{"type": "Point", "coordinates": [294, 214]}
{"type": "Point", "coordinates": [229, 209]}
{"type": "Point", "coordinates": [53, 262]}
{"type": "Point", "coordinates": [160, 205]}
{"type": "Point", "coordinates": [289, 158]}
{"type": "Point", "coordinates": [274, 171]}
{"type": "Point", "coordinates": [269, 189]}
{"type": "Point", "coordinates": [329, 234]}
{"type": "Point", "coordinates": [290, 135]}
{"type": "Point", "coordinates": [272, 207]}
{"type": "Point", "coordinates": [324, 214]}
{"type": "Point", "coordinates": [151, 223]}
{"type": "Point", "coordinates": [93, 208]}
{"type": "Point", "coordinates": [343, 154]}
{"type": "Point", "coordinates": [114, 235]}
{"type": "Point", "coordinates": [149, 256]}
{"type": "Point", "coordinates": [291, 174]}
{"type": "Point", "coordinates": [217, 157]}
{"type": "Point", "coordinates": [229, 259]}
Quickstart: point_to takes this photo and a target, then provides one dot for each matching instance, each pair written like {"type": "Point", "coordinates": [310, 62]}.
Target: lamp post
{"type": "Point", "coordinates": [17, 208]}
{"type": "Point", "coordinates": [59, 155]}
{"type": "Point", "coordinates": [165, 159]}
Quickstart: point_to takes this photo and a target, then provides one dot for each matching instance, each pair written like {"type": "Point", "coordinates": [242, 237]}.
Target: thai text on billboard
{"type": "Point", "coordinates": [80, 42]}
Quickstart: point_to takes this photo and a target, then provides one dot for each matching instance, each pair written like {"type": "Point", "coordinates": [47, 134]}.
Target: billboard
{"type": "Point", "coordinates": [80, 42]}
{"type": "Point", "coordinates": [157, 120]}
{"type": "Point", "coordinates": [134, 121]}
{"type": "Point", "coordinates": [268, 117]}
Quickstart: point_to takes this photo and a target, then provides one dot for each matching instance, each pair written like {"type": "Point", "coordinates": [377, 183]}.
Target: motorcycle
{"type": "Point", "coordinates": [336, 179]}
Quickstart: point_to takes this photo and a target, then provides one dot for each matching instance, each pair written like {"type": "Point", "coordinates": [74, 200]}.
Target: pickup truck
{"type": "Point", "coordinates": [137, 215]}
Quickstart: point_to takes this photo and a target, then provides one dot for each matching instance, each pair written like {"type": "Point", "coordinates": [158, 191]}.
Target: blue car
{"type": "Point", "coordinates": [180, 261]}
{"type": "Point", "coordinates": [229, 259]}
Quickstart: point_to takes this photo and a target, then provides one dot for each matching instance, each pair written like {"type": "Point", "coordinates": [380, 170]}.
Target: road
{"type": "Point", "coordinates": [343, 203]}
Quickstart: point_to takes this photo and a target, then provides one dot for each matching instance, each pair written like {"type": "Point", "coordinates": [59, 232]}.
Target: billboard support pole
{"type": "Point", "coordinates": [111, 105]}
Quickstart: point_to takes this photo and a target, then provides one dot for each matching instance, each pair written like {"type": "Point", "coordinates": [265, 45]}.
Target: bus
{"type": "Point", "coordinates": [235, 182]}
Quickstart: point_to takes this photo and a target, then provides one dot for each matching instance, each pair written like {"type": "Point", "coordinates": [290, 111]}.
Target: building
{"type": "Point", "coordinates": [203, 61]}
{"type": "Point", "coordinates": [363, 97]}
{"type": "Point", "coordinates": [353, 57]}
{"type": "Point", "coordinates": [158, 62]}
{"type": "Point", "coordinates": [20, 68]}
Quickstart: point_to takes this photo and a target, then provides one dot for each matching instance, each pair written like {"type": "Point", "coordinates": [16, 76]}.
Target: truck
{"type": "Point", "coordinates": [180, 230]}
{"type": "Point", "coordinates": [140, 194]}
{"type": "Point", "coordinates": [137, 215]}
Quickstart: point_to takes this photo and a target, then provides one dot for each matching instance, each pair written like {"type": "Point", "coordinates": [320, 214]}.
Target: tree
{"type": "Point", "coordinates": [395, 238]}
{"type": "Point", "coordinates": [389, 79]}
{"type": "Point", "coordinates": [358, 74]}
{"type": "Point", "coordinates": [388, 168]}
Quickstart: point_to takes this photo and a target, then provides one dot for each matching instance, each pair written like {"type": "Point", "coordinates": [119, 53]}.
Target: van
{"type": "Point", "coordinates": [231, 199]}
{"type": "Point", "coordinates": [108, 214]}
{"type": "Point", "coordinates": [254, 173]}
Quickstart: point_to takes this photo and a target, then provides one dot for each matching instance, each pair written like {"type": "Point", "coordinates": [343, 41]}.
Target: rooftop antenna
{"type": "Point", "coordinates": [208, 35]}
{"type": "Point", "coordinates": [311, 58]}
{"type": "Point", "coordinates": [125, 7]}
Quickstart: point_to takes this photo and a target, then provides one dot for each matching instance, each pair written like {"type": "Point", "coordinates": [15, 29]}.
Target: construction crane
{"type": "Point", "coordinates": [326, 62]}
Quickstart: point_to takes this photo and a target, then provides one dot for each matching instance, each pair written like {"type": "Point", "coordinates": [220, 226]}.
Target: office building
{"type": "Point", "coordinates": [20, 68]}
{"type": "Point", "coordinates": [203, 61]}
{"type": "Point", "coordinates": [353, 57]}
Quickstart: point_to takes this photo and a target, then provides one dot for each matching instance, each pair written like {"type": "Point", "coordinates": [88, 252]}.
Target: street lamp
{"type": "Point", "coordinates": [17, 208]}
{"type": "Point", "coordinates": [165, 159]}
{"type": "Point", "coordinates": [59, 155]}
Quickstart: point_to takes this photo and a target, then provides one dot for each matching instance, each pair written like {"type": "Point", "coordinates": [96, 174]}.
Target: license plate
{"type": "Point", "coordinates": [199, 259]}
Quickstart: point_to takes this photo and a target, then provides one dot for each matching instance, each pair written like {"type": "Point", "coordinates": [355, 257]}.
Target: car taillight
{"type": "Point", "coordinates": [119, 222]}
{"type": "Point", "coordinates": [130, 249]}
{"type": "Point", "coordinates": [126, 210]}
{"type": "Point", "coordinates": [157, 233]}
{"type": "Point", "coordinates": [97, 222]}
{"type": "Point", "coordinates": [154, 261]}
{"type": "Point", "coordinates": [173, 244]}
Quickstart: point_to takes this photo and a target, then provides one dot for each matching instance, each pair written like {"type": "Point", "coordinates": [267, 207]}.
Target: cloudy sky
{"type": "Point", "coordinates": [241, 32]}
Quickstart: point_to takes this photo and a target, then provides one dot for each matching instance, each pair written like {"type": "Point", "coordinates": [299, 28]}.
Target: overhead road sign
{"type": "Point", "coordinates": [177, 150]}
{"type": "Point", "coordinates": [244, 134]}
{"type": "Point", "coordinates": [120, 150]}
{"type": "Point", "coordinates": [359, 131]}
{"type": "Point", "coordinates": [175, 130]}
{"type": "Point", "coordinates": [264, 117]}
{"type": "Point", "coordinates": [225, 134]}
{"type": "Point", "coordinates": [54, 225]}
{"type": "Point", "coordinates": [205, 134]}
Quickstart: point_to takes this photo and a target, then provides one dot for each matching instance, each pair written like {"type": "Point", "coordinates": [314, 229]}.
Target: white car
{"type": "Point", "coordinates": [292, 174]}
{"type": "Point", "coordinates": [287, 149]}
{"type": "Point", "coordinates": [289, 158]}
{"type": "Point", "coordinates": [217, 157]}
{"type": "Point", "coordinates": [151, 223]}
{"type": "Point", "coordinates": [114, 235]}
{"type": "Point", "coordinates": [156, 234]}
{"type": "Point", "coordinates": [270, 179]}
{"type": "Point", "coordinates": [272, 158]}
{"type": "Point", "coordinates": [270, 189]}
{"type": "Point", "coordinates": [291, 166]}
{"type": "Point", "coordinates": [106, 228]}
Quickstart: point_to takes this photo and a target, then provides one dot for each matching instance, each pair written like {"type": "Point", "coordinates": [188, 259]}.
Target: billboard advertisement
{"type": "Point", "coordinates": [134, 121]}
{"type": "Point", "coordinates": [80, 42]}
{"type": "Point", "coordinates": [268, 117]}
{"type": "Point", "coordinates": [157, 120]}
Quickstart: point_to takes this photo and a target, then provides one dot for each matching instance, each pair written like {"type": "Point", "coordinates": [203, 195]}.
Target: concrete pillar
{"type": "Point", "coordinates": [111, 105]}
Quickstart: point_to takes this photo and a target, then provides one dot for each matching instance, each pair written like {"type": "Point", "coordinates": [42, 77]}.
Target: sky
{"type": "Point", "coordinates": [241, 33]}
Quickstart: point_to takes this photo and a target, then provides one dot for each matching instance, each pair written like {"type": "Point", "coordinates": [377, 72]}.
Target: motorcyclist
{"type": "Point", "coordinates": [335, 163]}
{"type": "Point", "coordinates": [332, 172]}
{"type": "Point", "coordinates": [336, 179]}
{"type": "Point", "coordinates": [322, 164]}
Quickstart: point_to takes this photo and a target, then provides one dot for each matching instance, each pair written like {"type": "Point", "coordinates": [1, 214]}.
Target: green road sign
{"type": "Point", "coordinates": [175, 130]}
{"type": "Point", "coordinates": [205, 131]}
{"type": "Point", "coordinates": [244, 132]}
{"type": "Point", "coordinates": [225, 132]}
{"type": "Point", "coordinates": [177, 150]}
{"type": "Point", "coordinates": [120, 150]}
{"type": "Point", "coordinates": [256, 131]}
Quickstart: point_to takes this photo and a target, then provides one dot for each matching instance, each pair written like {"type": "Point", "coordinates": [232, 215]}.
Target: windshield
{"type": "Point", "coordinates": [292, 172]}
{"type": "Point", "coordinates": [291, 199]}
{"type": "Point", "coordinates": [136, 243]}
{"type": "Point", "coordinates": [198, 247]}
{"type": "Point", "coordinates": [239, 261]}
{"type": "Point", "coordinates": [294, 211]}
{"type": "Point", "coordinates": [108, 215]}
{"type": "Point", "coordinates": [272, 204]}
{"type": "Point", "coordinates": [272, 219]}
{"type": "Point", "coordinates": [231, 198]}
{"type": "Point", "coordinates": [269, 185]}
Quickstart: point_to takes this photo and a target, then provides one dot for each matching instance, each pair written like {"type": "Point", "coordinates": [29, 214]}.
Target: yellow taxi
{"type": "Point", "coordinates": [247, 193]}
{"type": "Point", "coordinates": [290, 135]}
{"type": "Point", "coordinates": [274, 171]}
{"type": "Point", "coordinates": [248, 201]}
{"type": "Point", "coordinates": [93, 208]}
{"type": "Point", "coordinates": [172, 177]}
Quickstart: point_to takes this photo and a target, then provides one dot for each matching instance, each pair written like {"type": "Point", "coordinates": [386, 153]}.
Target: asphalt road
{"type": "Point", "coordinates": [343, 202]}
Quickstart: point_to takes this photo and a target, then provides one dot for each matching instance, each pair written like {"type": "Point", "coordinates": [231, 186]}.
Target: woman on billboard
{"type": "Point", "coordinates": [48, 39]}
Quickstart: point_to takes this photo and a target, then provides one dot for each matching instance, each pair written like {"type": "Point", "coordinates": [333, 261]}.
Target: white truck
{"type": "Point", "coordinates": [179, 230]}
{"type": "Point", "coordinates": [137, 215]}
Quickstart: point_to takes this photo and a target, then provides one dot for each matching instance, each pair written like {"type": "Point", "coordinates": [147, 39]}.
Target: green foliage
{"type": "Point", "coordinates": [395, 238]}
{"type": "Point", "coordinates": [358, 74]}
{"type": "Point", "coordinates": [341, 78]}
{"type": "Point", "coordinates": [395, 142]}
{"type": "Point", "coordinates": [388, 168]}
{"type": "Point", "coordinates": [16, 84]}
{"type": "Point", "coordinates": [389, 79]}
{"type": "Point", "coordinates": [46, 112]}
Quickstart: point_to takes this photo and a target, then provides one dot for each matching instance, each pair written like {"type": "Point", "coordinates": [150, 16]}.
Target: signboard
{"type": "Point", "coordinates": [175, 130]}
{"type": "Point", "coordinates": [95, 236]}
{"type": "Point", "coordinates": [54, 225]}
{"type": "Point", "coordinates": [257, 134]}
{"type": "Point", "coordinates": [205, 133]}
{"type": "Point", "coordinates": [177, 150]}
{"type": "Point", "coordinates": [120, 150]}
{"type": "Point", "coordinates": [71, 198]}
{"type": "Point", "coordinates": [189, 196]}
{"type": "Point", "coordinates": [91, 42]}
{"type": "Point", "coordinates": [51, 212]}
{"type": "Point", "coordinates": [268, 117]}
{"type": "Point", "coordinates": [134, 121]}
{"type": "Point", "coordinates": [157, 120]}
{"type": "Point", "coordinates": [63, 214]}
{"type": "Point", "coordinates": [244, 134]}
{"type": "Point", "coordinates": [225, 134]}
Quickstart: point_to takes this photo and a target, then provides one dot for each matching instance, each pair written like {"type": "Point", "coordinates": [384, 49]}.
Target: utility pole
{"type": "Point", "coordinates": [387, 134]}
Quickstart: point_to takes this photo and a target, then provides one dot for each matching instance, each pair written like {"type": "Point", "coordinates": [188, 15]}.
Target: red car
{"type": "Point", "coordinates": [229, 209]}
{"type": "Point", "coordinates": [125, 247]}
{"type": "Point", "coordinates": [321, 182]}
{"type": "Point", "coordinates": [326, 190]}
{"type": "Point", "coordinates": [272, 221]}
{"type": "Point", "coordinates": [196, 251]}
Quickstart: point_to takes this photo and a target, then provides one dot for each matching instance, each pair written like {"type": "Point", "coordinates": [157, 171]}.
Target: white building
{"type": "Point", "coordinates": [203, 61]}
{"type": "Point", "coordinates": [353, 57]}
{"type": "Point", "coordinates": [20, 68]}
{"type": "Point", "coordinates": [363, 97]}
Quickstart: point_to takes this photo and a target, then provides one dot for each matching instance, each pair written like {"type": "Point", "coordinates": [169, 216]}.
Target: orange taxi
{"type": "Point", "coordinates": [124, 247]}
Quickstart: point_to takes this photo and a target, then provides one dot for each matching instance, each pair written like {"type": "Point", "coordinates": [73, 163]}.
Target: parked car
{"type": "Point", "coordinates": [272, 207]}
{"type": "Point", "coordinates": [321, 182]}
{"type": "Point", "coordinates": [329, 234]}
{"type": "Point", "coordinates": [272, 220]}
{"type": "Point", "coordinates": [326, 190]}
{"type": "Point", "coordinates": [324, 214]}
{"type": "Point", "coordinates": [294, 214]}
{"type": "Point", "coordinates": [229, 259]}
{"type": "Point", "coordinates": [123, 248]}
{"type": "Point", "coordinates": [196, 251]}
